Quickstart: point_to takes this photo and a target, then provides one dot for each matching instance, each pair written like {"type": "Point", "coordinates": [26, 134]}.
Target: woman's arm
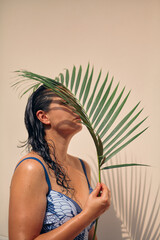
{"type": "Point", "coordinates": [27, 201]}
{"type": "Point", "coordinates": [28, 206]}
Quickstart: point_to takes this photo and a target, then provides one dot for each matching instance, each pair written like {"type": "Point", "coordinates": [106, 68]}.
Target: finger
{"type": "Point", "coordinates": [105, 192]}
{"type": "Point", "coordinates": [96, 190]}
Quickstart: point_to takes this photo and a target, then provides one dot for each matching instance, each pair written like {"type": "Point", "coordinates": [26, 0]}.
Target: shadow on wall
{"type": "Point", "coordinates": [135, 205]}
{"type": "Point", "coordinates": [109, 226]}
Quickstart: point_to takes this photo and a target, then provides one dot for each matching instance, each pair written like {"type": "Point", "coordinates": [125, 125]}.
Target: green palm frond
{"type": "Point", "coordinates": [100, 118]}
{"type": "Point", "coordinates": [99, 109]}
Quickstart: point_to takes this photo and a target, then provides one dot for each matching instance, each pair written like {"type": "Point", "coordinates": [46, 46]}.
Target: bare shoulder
{"type": "Point", "coordinates": [29, 164]}
{"type": "Point", "coordinates": [29, 171]}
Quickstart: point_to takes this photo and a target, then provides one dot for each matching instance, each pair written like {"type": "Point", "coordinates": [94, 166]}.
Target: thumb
{"type": "Point", "coordinates": [96, 190]}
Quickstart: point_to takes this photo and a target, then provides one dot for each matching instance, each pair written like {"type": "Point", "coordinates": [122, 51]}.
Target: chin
{"type": "Point", "coordinates": [70, 131]}
{"type": "Point", "coordinates": [77, 129]}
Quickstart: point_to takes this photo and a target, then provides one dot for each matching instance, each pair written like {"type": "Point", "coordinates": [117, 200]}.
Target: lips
{"type": "Point", "coordinates": [78, 118]}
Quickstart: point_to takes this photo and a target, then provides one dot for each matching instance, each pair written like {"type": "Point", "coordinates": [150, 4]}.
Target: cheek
{"type": "Point", "coordinates": [65, 126]}
{"type": "Point", "coordinates": [63, 121]}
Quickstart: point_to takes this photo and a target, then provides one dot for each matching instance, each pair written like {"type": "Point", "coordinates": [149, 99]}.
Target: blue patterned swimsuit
{"type": "Point", "coordinates": [61, 208]}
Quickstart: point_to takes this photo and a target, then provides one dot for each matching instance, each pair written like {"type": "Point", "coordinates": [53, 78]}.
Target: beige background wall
{"type": "Point", "coordinates": [122, 36]}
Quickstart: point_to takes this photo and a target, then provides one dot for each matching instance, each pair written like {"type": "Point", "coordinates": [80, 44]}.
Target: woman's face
{"type": "Point", "coordinates": [62, 117]}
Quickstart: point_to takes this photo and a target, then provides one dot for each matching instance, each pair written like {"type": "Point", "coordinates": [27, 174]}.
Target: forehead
{"type": "Point", "coordinates": [57, 99]}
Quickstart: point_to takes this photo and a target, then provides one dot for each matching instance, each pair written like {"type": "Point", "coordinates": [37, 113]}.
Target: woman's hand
{"type": "Point", "coordinates": [98, 201]}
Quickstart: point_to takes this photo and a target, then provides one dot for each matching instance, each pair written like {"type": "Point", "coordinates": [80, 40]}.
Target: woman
{"type": "Point", "coordinates": [50, 195]}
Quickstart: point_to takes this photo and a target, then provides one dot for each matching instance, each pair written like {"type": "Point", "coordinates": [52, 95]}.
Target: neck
{"type": "Point", "coordinates": [60, 144]}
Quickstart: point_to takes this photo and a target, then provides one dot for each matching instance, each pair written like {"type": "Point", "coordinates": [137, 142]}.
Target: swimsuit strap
{"type": "Point", "coordinates": [46, 174]}
{"type": "Point", "coordinates": [84, 169]}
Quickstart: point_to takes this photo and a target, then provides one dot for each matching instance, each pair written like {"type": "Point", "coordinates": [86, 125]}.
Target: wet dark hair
{"type": "Point", "coordinates": [41, 100]}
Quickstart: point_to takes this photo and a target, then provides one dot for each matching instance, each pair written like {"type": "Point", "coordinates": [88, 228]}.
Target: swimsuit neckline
{"type": "Point", "coordinates": [73, 201]}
